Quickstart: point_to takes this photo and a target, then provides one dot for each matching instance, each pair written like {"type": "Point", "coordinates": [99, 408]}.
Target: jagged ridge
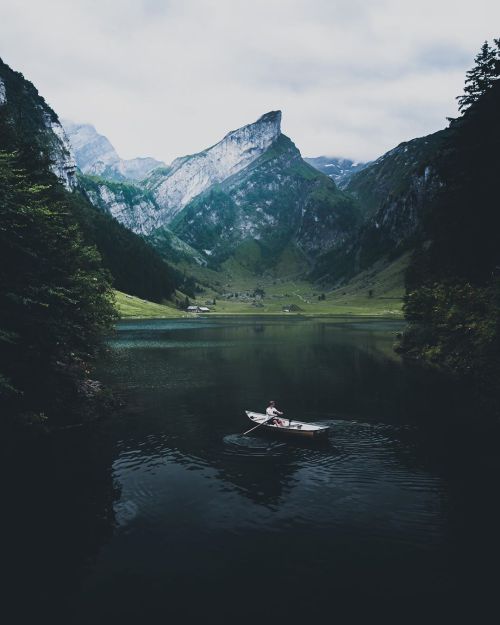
{"type": "Point", "coordinates": [189, 176]}
{"type": "Point", "coordinates": [276, 201]}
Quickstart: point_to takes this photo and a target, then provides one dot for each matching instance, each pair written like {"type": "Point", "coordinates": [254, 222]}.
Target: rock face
{"type": "Point", "coordinates": [63, 161]}
{"type": "Point", "coordinates": [97, 157]}
{"type": "Point", "coordinates": [392, 194]}
{"type": "Point", "coordinates": [130, 205]}
{"type": "Point", "coordinates": [188, 176]}
{"type": "Point", "coordinates": [3, 93]}
{"type": "Point", "coordinates": [250, 195]}
{"type": "Point", "coordinates": [338, 169]}
{"type": "Point", "coordinates": [31, 119]}
{"type": "Point", "coordinates": [393, 191]}
{"type": "Point", "coordinates": [275, 205]}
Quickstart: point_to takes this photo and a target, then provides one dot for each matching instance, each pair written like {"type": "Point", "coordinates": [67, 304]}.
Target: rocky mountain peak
{"type": "Point", "coordinates": [189, 176]}
{"type": "Point", "coordinates": [95, 155]}
{"type": "Point", "coordinates": [268, 126]}
{"type": "Point", "coordinates": [272, 116]}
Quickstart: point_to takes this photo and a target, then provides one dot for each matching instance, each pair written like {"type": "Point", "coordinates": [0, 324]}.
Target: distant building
{"type": "Point", "coordinates": [198, 309]}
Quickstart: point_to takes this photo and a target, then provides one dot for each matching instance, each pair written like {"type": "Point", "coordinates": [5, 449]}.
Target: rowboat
{"type": "Point", "coordinates": [289, 427]}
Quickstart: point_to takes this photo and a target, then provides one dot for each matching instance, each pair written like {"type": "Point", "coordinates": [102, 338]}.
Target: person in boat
{"type": "Point", "coordinates": [273, 413]}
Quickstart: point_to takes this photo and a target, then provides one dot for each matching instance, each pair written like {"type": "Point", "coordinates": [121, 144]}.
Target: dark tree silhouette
{"type": "Point", "coordinates": [482, 76]}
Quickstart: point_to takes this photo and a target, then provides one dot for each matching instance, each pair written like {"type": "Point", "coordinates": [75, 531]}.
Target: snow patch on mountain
{"type": "Point", "coordinates": [339, 169]}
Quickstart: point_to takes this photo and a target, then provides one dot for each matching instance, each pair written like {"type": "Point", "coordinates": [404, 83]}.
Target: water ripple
{"type": "Point", "coordinates": [239, 445]}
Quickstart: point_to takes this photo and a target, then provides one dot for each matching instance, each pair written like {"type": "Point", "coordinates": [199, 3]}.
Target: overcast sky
{"type": "Point", "coordinates": [165, 78]}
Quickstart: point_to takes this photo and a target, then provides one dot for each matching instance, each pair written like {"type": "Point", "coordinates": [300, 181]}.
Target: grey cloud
{"type": "Point", "coordinates": [169, 77]}
{"type": "Point", "coordinates": [443, 56]}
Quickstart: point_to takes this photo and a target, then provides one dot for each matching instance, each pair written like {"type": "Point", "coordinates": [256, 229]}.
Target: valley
{"type": "Point", "coordinates": [377, 292]}
{"type": "Point", "coordinates": [250, 215]}
{"type": "Point", "coordinates": [248, 226]}
{"type": "Point", "coordinates": [152, 302]}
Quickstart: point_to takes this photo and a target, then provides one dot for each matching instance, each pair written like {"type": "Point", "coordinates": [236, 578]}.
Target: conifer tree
{"type": "Point", "coordinates": [481, 77]}
{"type": "Point", "coordinates": [55, 298]}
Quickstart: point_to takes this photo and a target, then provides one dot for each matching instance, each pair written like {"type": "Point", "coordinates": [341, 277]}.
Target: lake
{"type": "Point", "coordinates": [165, 512]}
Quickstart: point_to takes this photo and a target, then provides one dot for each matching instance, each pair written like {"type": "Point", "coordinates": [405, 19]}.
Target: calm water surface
{"type": "Point", "coordinates": [165, 512]}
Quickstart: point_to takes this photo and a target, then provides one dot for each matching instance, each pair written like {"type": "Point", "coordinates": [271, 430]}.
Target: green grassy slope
{"type": "Point", "coordinates": [129, 306]}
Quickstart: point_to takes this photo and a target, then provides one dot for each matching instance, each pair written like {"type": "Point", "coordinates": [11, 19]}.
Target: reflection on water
{"type": "Point", "coordinates": [174, 513]}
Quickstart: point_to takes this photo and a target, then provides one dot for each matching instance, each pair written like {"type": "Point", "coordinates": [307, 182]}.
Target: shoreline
{"type": "Point", "coordinates": [381, 316]}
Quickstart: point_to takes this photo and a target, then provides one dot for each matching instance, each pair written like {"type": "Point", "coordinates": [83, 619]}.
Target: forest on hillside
{"type": "Point", "coordinates": [453, 282]}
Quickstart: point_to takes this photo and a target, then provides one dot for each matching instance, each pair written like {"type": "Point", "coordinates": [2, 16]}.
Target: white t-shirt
{"type": "Point", "coordinates": [271, 411]}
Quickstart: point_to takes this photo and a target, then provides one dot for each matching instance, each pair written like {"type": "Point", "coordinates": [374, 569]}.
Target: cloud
{"type": "Point", "coordinates": [166, 78]}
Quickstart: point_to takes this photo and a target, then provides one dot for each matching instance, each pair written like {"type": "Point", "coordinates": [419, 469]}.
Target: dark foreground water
{"type": "Point", "coordinates": [166, 513]}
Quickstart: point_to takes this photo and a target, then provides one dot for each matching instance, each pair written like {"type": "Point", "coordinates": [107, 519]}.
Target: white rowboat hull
{"type": "Point", "coordinates": [292, 428]}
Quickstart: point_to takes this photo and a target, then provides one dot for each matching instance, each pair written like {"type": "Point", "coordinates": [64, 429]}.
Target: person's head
{"type": "Point", "coordinates": [271, 403]}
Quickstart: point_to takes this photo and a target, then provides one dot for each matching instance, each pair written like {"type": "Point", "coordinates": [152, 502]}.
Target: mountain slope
{"type": "Point", "coordinates": [31, 129]}
{"type": "Point", "coordinates": [453, 282]}
{"type": "Point", "coordinates": [28, 125]}
{"type": "Point", "coordinates": [97, 157]}
{"type": "Point", "coordinates": [276, 202]}
{"type": "Point", "coordinates": [392, 194]}
{"type": "Point", "coordinates": [250, 195]}
{"type": "Point", "coordinates": [396, 174]}
{"type": "Point", "coordinates": [129, 204]}
{"type": "Point", "coordinates": [152, 204]}
{"type": "Point", "coordinates": [188, 176]}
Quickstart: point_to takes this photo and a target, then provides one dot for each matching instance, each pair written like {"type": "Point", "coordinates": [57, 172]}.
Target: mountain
{"type": "Point", "coordinates": [31, 130]}
{"type": "Point", "coordinates": [391, 194]}
{"type": "Point", "coordinates": [96, 156]}
{"type": "Point", "coordinates": [129, 204]}
{"type": "Point", "coordinates": [56, 300]}
{"type": "Point", "coordinates": [30, 126]}
{"type": "Point", "coordinates": [339, 169]}
{"type": "Point", "coordinates": [277, 206]}
{"type": "Point", "coordinates": [188, 176]}
{"type": "Point", "coordinates": [453, 281]}
{"type": "Point", "coordinates": [251, 196]}
{"type": "Point", "coordinates": [153, 204]}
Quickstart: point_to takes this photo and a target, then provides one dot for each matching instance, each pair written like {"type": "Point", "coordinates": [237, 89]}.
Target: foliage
{"type": "Point", "coordinates": [129, 306]}
{"type": "Point", "coordinates": [453, 302]}
{"type": "Point", "coordinates": [25, 130]}
{"type": "Point", "coordinates": [135, 266]}
{"type": "Point", "coordinates": [55, 297]}
{"type": "Point", "coordinates": [455, 325]}
{"type": "Point", "coordinates": [255, 215]}
{"type": "Point", "coordinates": [128, 192]}
{"type": "Point", "coordinates": [482, 76]}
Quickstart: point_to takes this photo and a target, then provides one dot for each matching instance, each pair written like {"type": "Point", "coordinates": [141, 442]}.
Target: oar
{"type": "Point", "coordinates": [257, 426]}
